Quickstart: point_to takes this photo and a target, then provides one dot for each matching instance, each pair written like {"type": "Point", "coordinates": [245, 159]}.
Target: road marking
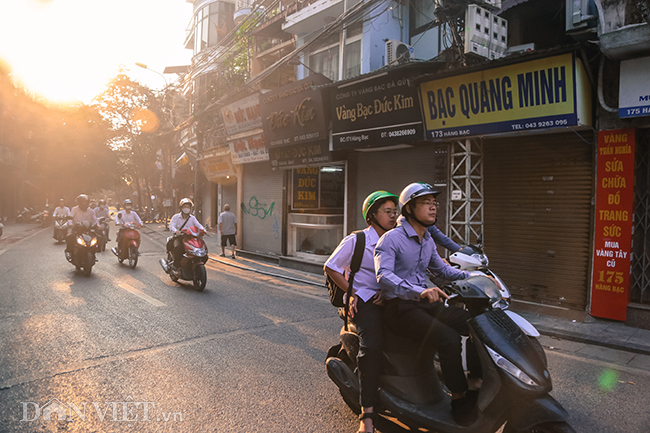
{"type": "Point", "coordinates": [23, 239]}
{"type": "Point", "coordinates": [149, 299]}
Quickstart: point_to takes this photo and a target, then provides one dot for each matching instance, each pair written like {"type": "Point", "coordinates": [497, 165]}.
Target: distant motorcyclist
{"type": "Point", "coordinates": [180, 221]}
{"type": "Point", "coordinates": [101, 211]}
{"type": "Point", "coordinates": [124, 217]}
{"type": "Point", "coordinates": [80, 214]}
{"type": "Point", "coordinates": [61, 210]}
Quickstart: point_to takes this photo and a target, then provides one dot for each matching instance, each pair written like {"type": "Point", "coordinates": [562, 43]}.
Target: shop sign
{"type": "Point", "coordinates": [294, 114]}
{"type": "Point", "coordinates": [305, 188]}
{"type": "Point", "coordinates": [248, 149]}
{"type": "Point", "coordinates": [219, 167]}
{"type": "Point", "coordinates": [300, 154]}
{"type": "Point", "coordinates": [613, 227]}
{"type": "Point", "coordinates": [242, 115]}
{"type": "Point", "coordinates": [540, 94]}
{"type": "Point", "coordinates": [383, 111]}
{"type": "Point", "coordinates": [634, 93]}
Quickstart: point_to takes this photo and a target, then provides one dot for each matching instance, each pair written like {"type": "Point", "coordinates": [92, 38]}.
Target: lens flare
{"type": "Point", "coordinates": [608, 380]}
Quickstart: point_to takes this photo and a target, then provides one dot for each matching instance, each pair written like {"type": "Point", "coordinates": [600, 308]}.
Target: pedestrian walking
{"type": "Point", "coordinates": [228, 228]}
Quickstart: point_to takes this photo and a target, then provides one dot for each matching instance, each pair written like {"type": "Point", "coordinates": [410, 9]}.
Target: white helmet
{"type": "Point", "coordinates": [184, 202]}
{"type": "Point", "coordinates": [413, 191]}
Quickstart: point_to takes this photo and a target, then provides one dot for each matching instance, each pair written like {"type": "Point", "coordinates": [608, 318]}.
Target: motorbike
{"type": "Point", "coordinates": [85, 246]}
{"type": "Point", "coordinates": [1, 228]}
{"type": "Point", "coordinates": [103, 232]}
{"type": "Point", "coordinates": [23, 215]}
{"type": "Point", "coordinates": [192, 266]}
{"type": "Point", "coordinates": [516, 381]}
{"type": "Point", "coordinates": [128, 247]}
{"type": "Point", "coordinates": [45, 218]}
{"type": "Point", "coordinates": [60, 228]}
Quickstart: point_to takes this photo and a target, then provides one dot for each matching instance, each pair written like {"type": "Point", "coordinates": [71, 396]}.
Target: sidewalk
{"type": "Point", "coordinates": [601, 332]}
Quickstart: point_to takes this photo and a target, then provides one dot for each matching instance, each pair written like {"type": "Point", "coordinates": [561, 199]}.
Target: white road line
{"type": "Point", "coordinates": [149, 299]}
{"type": "Point", "coordinates": [23, 239]}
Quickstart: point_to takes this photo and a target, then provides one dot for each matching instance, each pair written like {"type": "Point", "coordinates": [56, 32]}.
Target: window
{"type": "Point", "coordinates": [423, 16]}
{"type": "Point", "coordinates": [326, 60]}
{"type": "Point", "coordinates": [211, 24]}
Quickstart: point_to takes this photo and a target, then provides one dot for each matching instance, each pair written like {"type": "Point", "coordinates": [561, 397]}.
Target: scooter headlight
{"type": "Point", "coordinates": [510, 368]}
{"type": "Point", "coordinates": [93, 242]}
{"type": "Point", "coordinates": [81, 241]}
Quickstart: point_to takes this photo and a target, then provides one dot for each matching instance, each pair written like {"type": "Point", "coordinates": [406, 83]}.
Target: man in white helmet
{"type": "Point", "coordinates": [402, 257]}
{"type": "Point", "coordinates": [183, 219]}
{"type": "Point", "coordinates": [81, 213]}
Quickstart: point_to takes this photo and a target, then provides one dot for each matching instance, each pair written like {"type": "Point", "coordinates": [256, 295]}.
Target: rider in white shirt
{"type": "Point", "coordinates": [183, 219]}
{"type": "Point", "coordinates": [61, 210]}
{"type": "Point", "coordinates": [101, 211]}
{"type": "Point", "coordinates": [80, 214]}
{"type": "Point", "coordinates": [127, 216]}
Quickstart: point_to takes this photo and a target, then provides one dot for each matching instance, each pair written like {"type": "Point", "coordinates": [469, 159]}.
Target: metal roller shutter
{"type": "Point", "coordinates": [538, 216]}
{"type": "Point", "coordinates": [262, 208]}
{"type": "Point", "coordinates": [392, 170]}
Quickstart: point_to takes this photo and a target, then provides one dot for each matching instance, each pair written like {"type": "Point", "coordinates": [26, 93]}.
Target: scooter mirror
{"type": "Point", "coordinates": [480, 239]}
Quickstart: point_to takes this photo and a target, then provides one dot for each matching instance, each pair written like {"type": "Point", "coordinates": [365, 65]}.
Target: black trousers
{"type": "Point", "coordinates": [440, 327]}
{"type": "Point", "coordinates": [175, 245]}
{"type": "Point", "coordinates": [368, 320]}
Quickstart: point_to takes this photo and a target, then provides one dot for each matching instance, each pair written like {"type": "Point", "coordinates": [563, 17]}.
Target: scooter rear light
{"type": "Point", "coordinates": [510, 368]}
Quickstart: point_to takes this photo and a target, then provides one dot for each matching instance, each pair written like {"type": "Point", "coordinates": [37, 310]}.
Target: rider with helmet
{"type": "Point", "coordinates": [402, 257]}
{"type": "Point", "coordinates": [127, 216]}
{"type": "Point", "coordinates": [380, 210]}
{"type": "Point", "coordinates": [79, 214]}
{"type": "Point", "coordinates": [101, 211]}
{"type": "Point", "coordinates": [61, 210]}
{"type": "Point", "coordinates": [178, 222]}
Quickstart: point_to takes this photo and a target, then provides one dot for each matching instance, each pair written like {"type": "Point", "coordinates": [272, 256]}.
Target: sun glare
{"type": "Point", "coordinates": [67, 50]}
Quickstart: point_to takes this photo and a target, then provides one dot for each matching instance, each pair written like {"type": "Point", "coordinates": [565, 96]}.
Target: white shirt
{"type": "Point", "coordinates": [365, 280]}
{"type": "Point", "coordinates": [127, 217]}
{"type": "Point", "coordinates": [102, 213]}
{"type": "Point", "coordinates": [227, 220]}
{"type": "Point", "coordinates": [79, 216]}
{"type": "Point", "coordinates": [61, 211]}
{"type": "Point", "coordinates": [178, 220]}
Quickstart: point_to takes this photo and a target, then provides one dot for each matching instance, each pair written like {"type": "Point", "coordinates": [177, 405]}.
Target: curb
{"type": "Point", "coordinates": [627, 347]}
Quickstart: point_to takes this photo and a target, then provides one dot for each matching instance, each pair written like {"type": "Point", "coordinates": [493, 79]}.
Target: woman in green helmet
{"type": "Point", "coordinates": [380, 210]}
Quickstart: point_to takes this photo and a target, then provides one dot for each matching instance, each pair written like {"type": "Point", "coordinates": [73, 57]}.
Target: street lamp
{"type": "Point", "coordinates": [143, 66]}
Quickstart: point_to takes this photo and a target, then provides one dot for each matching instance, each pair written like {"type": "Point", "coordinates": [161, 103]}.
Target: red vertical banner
{"type": "Point", "coordinates": [613, 225]}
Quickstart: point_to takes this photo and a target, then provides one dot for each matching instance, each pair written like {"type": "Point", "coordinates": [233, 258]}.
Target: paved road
{"type": "Point", "coordinates": [244, 355]}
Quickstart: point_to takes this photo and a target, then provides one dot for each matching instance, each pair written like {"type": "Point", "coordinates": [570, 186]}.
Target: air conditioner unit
{"type": "Point", "coordinates": [397, 52]}
{"type": "Point", "coordinates": [580, 15]}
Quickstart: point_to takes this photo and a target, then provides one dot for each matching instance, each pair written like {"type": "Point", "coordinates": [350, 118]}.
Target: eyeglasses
{"type": "Point", "coordinates": [391, 212]}
{"type": "Point", "coordinates": [429, 203]}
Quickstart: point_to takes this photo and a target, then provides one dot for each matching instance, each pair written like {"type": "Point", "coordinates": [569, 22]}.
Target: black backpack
{"type": "Point", "coordinates": [336, 293]}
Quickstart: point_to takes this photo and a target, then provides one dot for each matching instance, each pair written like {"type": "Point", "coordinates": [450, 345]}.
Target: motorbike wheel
{"type": "Point", "coordinates": [133, 257]}
{"type": "Point", "coordinates": [88, 264]}
{"type": "Point", "coordinates": [200, 277]}
{"type": "Point", "coordinates": [546, 427]}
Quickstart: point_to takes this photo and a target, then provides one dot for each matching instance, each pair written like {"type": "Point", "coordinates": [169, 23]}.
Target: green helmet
{"type": "Point", "coordinates": [373, 198]}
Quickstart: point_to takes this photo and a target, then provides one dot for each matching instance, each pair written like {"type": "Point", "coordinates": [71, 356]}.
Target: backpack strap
{"type": "Point", "coordinates": [359, 247]}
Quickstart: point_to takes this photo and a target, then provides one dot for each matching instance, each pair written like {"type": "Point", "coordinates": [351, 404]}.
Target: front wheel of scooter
{"type": "Point", "coordinates": [133, 257]}
{"type": "Point", "coordinates": [200, 277]}
{"type": "Point", "coordinates": [546, 427]}
{"type": "Point", "coordinates": [88, 265]}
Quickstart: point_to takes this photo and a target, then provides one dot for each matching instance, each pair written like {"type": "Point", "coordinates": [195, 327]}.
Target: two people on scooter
{"type": "Point", "coordinates": [81, 213]}
{"type": "Point", "coordinates": [125, 217]}
{"type": "Point", "coordinates": [183, 219]}
{"type": "Point", "coordinates": [402, 257]}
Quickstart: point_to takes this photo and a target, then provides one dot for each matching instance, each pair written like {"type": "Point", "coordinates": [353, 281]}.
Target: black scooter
{"type": "Point", "coordinates": [516, 381]}
{"type": "Point", "coordinates": [85, 247]}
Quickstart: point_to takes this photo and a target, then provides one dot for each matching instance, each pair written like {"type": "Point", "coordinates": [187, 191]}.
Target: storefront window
{"type": "Point", "coordinates": [315, 224]}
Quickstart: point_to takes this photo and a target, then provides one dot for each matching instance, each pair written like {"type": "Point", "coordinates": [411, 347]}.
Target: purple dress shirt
{"type": "Point", "coordinates": [401, 263]}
